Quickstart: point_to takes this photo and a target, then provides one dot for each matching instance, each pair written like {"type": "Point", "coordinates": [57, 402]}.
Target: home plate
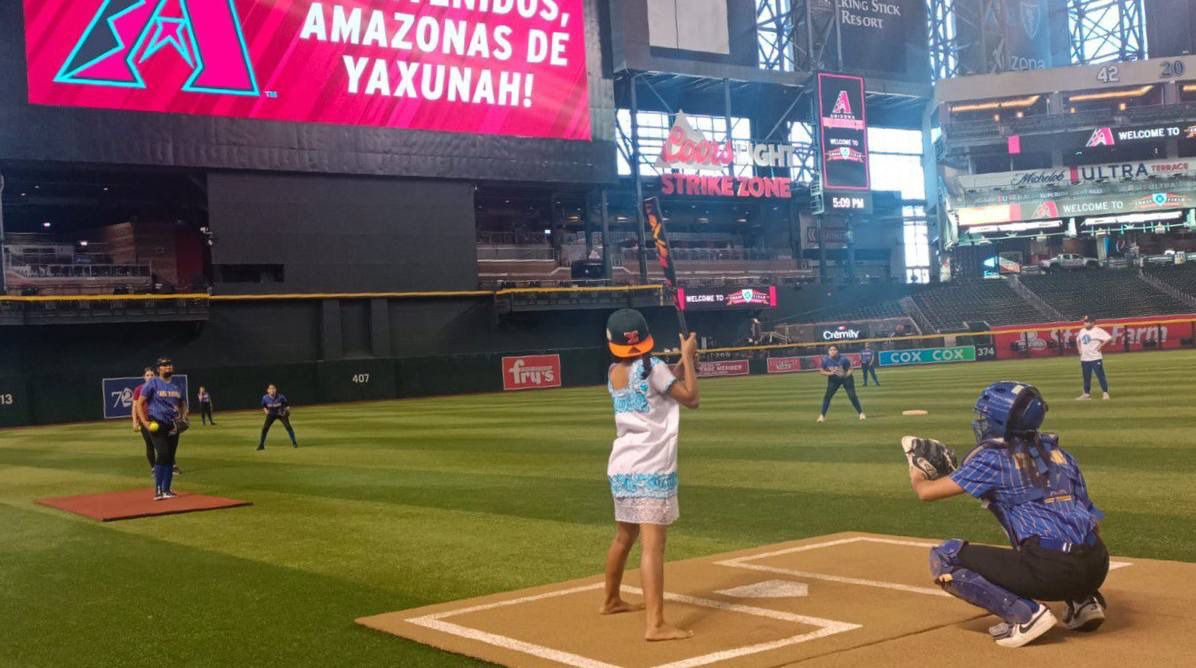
{"type": "Point", "coordinates": [768, 589]}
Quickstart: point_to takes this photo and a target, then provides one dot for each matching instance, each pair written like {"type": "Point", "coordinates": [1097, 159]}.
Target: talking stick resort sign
{"type": "Point", "coordinates": [687, 148]}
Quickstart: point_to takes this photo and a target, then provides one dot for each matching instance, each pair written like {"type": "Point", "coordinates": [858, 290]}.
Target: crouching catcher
{"type": "Point", "coordinates": [1035, 490]}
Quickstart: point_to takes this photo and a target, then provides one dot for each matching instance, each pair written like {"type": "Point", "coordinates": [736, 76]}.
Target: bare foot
{"type": "Point", "coordinates": [666, 632]}
{"type": "Point", "coordinates": [614, 608]}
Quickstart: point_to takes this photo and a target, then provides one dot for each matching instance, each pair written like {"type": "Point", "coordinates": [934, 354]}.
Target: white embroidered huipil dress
{"type": "Point", "coordinates": [643, 461]}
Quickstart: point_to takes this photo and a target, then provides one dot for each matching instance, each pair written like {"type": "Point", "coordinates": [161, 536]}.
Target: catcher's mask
{"type": "Point", "coordinates": [1008, 409]}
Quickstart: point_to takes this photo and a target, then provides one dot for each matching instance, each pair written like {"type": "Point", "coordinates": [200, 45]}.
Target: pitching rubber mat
{"type": "Point", "coordinates": [135, 503]}
{"type": "Point", "coordinates": [847, 599]}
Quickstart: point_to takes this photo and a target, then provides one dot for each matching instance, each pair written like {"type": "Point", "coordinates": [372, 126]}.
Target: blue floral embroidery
{"type": "Point", "coordinates": [634, 397]}
{"type": "Point", "coordinates": [652, 485]}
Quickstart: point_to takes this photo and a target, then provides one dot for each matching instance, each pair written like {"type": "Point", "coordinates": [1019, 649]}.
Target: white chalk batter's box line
{"type": "Point", "coordinates": [742, 562]}
{"type": "Point", "coordinates": [826, 627]}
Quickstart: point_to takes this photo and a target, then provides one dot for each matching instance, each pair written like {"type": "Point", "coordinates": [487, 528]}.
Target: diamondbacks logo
{"type": "Point", "coordinates": [1101, 137]}
{"type": "Point", "coordinates": [1048, 209]}
{"type": "Point", "coordinates": [843, 104]}
{"type": "Point", "coordinates": [125, 34]}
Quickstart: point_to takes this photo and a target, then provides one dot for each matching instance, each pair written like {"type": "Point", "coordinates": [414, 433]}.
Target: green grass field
{"type": "Point", "coordinates": [401, 504]}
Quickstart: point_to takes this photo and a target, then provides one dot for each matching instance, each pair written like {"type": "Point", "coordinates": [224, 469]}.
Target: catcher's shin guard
{"type": "Point", "coordinates": [972, 587]}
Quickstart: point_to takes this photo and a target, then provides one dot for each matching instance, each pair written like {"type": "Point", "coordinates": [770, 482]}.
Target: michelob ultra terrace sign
{"type": "Point", "coordinates": [688, 148]}
{"type": "Point", "coordinates": [1064, 177]}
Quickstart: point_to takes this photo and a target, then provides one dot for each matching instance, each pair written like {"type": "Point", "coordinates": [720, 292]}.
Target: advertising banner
{"type": "Point", "coordinates": [718, 368]}
{"type": "Point", "coordinates": [1045, 209]}
{"type": "Point", "coordinates": [843, 131]}
{"type": "Point", "coordinates": [804, 363]}
{"type": "Point", "coordinates": [118, 394]}
{"type": "Point", "coordinates": [531, 372]}
{"type": "Point", "coordinates": [1129, 335]}
{"type": "Point", "coordinates": [499, 68]}
{"type": "Point", "coordinates": [697, 299]}
{"type": "Point", "coordinates": [689, 149]}
{"type": "Point", "coordinates": [922, 356]}
{"type": "Point", "coordinates": [875, 32]}
{"type": "Point", "coordinates": [1105, 137]}
{"type": "Point", "coordinates": [1063, 177]}
{"type": "Point", "coordinates": [1028, 34]}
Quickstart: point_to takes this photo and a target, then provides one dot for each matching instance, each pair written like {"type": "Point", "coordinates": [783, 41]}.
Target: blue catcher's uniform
{"type": "Point", "coordinates": [1037, 493]}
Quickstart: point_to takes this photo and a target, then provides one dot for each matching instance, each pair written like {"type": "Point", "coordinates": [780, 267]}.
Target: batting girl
{"type": "Point", "coordinates": [643, 462]}
{"type": "Point", "coordinates": [276, 407]}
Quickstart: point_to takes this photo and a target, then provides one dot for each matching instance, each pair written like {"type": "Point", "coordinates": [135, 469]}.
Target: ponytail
{"type": "Point", "coordinates": [646, 361]}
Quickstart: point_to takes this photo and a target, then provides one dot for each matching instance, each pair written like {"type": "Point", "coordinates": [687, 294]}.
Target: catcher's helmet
{"type": "Point", "coordinates": [1008, 408]}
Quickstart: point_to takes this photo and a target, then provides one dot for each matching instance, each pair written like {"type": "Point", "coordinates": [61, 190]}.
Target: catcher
{"type": "Point", "coordinates": [1038, 495]}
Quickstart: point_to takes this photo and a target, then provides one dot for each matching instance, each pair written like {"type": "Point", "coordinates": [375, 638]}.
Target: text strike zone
{"type": "Point", "coordinates": [725, 186]}
{"type": "Point", "coordinates": [461, 38]}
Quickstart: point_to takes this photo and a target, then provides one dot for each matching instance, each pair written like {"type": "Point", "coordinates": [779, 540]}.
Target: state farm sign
{"type": "Point", "coordinates": [531, 372]}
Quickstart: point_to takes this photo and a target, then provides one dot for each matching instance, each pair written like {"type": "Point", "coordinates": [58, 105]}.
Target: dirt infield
{"type": "Point", "coordinates": [849, 599]}
{"type": "Point", "coordinates": [136, 503]}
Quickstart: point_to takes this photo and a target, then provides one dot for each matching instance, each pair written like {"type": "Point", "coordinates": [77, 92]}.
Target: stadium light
{"type": "Point", "coordinates": [46, 224]}
{"type": "Point", "coordinates": [1112, 95]}
{"type": "Point", "coordinates": [1132, 218]}
{"type": "Point", "coordinates": [1017, 103]}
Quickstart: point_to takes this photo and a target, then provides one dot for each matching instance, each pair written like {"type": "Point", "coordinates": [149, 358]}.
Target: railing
{"type": "Point", "coordinates": [713, 254]}
{"type": "Point", "coordinates": [517, 253]}
{"type": "Point", "coordinates": [54, 272]}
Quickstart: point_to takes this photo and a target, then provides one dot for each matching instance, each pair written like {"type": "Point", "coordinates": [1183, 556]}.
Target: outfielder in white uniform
{"type": "Point", "coordinates": [1090, 340]}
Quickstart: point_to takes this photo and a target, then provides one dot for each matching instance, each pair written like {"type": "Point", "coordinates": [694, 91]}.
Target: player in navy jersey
{"type": "Point", "coordinates": [1038, 495]}
{"type": "Point", "coordinates": [276, 407]}
{"type": "Point", "coordinates": [837, 370]}
{"type": "Point", "coordinates": [868, 364]}
{"type": "Point", "coordinates": [164, 404]}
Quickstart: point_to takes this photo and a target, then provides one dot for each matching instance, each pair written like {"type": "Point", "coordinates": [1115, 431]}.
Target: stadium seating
{"type": "Point", "coordinates": [949, 306]}
{"type": "Point", "coordinates": [1102, 294]}
{"type": "Point", "coordinates": [876, 311]}
{"type": "Point", "coordinates": [1180, 277]}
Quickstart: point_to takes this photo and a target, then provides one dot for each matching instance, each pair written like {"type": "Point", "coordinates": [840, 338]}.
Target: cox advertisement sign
{"type": "Point", "coordinates": [531, 372]}
{"type": "Point", "coordinates": [503, 67]}
{"type": "Point", "coordinates": [804, 363]}
{"type": "Point", "coordinates": [1129, 335]}
{"type": "Point", "coordinates": [927, 356]}
{"type": "Point", "coordinates": [118, 394]}
{"type": "Point", "coordinates": [723, 368]}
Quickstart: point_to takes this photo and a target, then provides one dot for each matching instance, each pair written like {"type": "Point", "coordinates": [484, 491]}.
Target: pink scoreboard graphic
{"type": "Point", "coordinates": [498, 67]}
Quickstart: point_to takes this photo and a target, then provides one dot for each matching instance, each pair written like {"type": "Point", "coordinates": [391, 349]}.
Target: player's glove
{"type": "Point", "coordinates": [933, 458]}
{"type": "Point", "coordinates": [180, 425]}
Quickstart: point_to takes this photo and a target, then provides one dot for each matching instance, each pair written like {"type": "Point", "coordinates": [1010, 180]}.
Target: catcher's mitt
{"type": "Point", "coordinates": [181, 425]}
{"type": "Point", "coordinates": [933, 458]}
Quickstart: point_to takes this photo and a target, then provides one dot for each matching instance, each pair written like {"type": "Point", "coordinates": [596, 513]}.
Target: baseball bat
{"type": "Point", "coordinates": [656, 224]}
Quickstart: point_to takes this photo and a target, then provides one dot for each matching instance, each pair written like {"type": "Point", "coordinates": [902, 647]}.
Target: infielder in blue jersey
{"type": "Point", "coordinates": [837, 370]}
{"type": "Point", "coordinates": [276, 407]}
{"type": "Point", "coordinates": [1038, 495]}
